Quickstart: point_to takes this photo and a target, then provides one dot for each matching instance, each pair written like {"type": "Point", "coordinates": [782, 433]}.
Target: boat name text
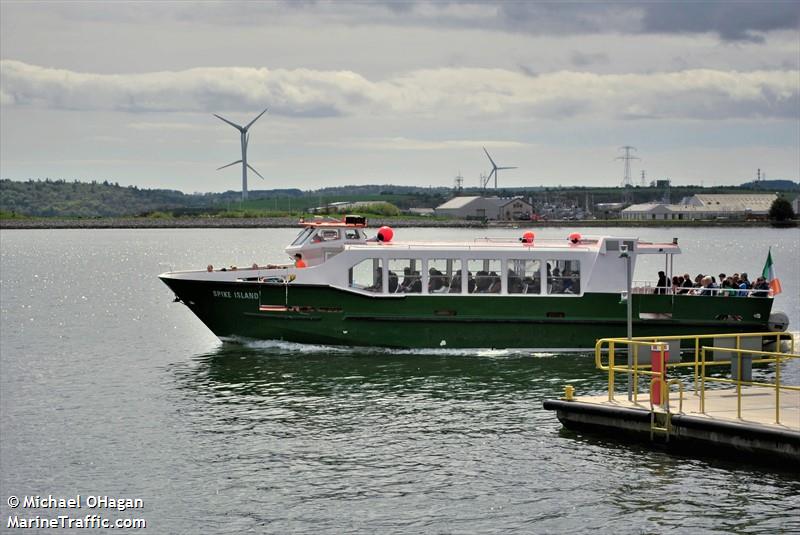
{"type": "Point", "coordinates": [235, 295]}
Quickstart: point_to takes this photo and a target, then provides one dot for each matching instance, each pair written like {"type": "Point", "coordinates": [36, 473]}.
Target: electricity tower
{"type": "Point", "coordinates": [626, 181]}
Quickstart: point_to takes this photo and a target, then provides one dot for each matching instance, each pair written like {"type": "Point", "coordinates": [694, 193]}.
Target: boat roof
{"type": "Point", "coordinates": [348, 221]}
{"type": "Point", "coordinates": [587, 243]}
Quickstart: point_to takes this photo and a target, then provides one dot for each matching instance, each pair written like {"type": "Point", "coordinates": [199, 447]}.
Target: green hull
{"type": "Point", "coordinates": [323, 315]}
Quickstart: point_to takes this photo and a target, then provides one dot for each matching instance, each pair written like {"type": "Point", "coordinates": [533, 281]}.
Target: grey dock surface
{"type": "Point", "coordinates": [756, 432]}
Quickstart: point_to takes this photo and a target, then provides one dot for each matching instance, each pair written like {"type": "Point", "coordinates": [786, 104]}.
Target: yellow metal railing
{"type": "Point", "coordinates": [767, 357]}
{"type": "Point", "coordinates": [699, 363]}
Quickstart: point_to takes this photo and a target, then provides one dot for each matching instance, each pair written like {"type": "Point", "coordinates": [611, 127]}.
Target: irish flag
{"type": "Point", "coordinates": [769, 274]}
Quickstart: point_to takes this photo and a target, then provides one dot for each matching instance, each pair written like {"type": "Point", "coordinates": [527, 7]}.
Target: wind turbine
{"type": "Point", "coordinates": [245, 140]}
{"type": "Point", "coordinates": [495, 169]}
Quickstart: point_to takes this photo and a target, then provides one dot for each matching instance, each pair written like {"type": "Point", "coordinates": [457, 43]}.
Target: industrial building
{"type": "Point", "coordinates": [489, 208]}
{"type": "Point", "coordinates": [706, 206]}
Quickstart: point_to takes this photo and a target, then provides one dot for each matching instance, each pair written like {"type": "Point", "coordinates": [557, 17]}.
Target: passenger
{"type": "Point", "coordinates": [378, 285]}
{"type": "Point", "coordinates": [566, 284]}
{"type": "Point", "coordinates": [298, 261]}
{"type": "Point", "coordinates": [472, 286]}
{"type": "Point", "coordinates": [392, 282]}
{"type": "Point", "coordinates": [455, 284]}
{"type": "Point", "coordinates": [435, 280]}
{"type": "Point", "coordinates": [416, 283]}
{"type": "Point", "coordinates": [762, 288]}
{"type": "Point", "coordinates": [705, 287]}
{"type": "Point", "coordinates": [661, 285]}
{"type": "Point", "coordinates": [744, 285]}
{"type": "Point", "coordinates": [209, 268]}
{"type": "Point", "coordinates": [534, 285]}
{"type": "Point", "coordinates": [714, 286]}
{"type": "Point", "coordinates": [722, 278]}
{"type": "Point", "coordinates": [728, 288]}
{"type": "Point", "coordinates": [676, 284]}
{"type": "Point", "coordinates": [686, 285]}
{"type": "Point", "coordinates": [494, 283]}
{"type": "Point", "coordinates": [407, 280]}
{"type": "Point", "coordinates": [482, 282]}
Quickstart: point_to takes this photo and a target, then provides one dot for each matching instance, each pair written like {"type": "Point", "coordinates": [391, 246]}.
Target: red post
{"type": "Point", "coordinates": [658, 366]}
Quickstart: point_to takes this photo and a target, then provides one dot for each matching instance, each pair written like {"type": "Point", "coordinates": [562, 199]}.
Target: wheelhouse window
{"type": "Point", "coordinates": [367, 275]}
{"type": "Point", "coordinates": [444, 276]}
{"type": "Point", "coordinates": [524, 276]}
{"type": "Point", "coordinates": [407, 273]}
{"type": "Point", "coordinates": [304, 234]}
{"type": "Point", "coordinates": [324, 235]}
{"type": "Point", "coordinates": [564, 277]}
{"type": "Point", "coordinates": [484, 276]}
{"type": "Point", "coordinates": [352, 234]}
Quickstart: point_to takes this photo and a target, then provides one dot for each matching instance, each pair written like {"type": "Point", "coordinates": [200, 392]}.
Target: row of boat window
{"type": "Point", "coordinates": [455, 276]}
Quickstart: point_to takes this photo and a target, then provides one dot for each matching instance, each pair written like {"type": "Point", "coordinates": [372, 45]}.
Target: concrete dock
{"type": "Point", "coordinates": [717, 428]}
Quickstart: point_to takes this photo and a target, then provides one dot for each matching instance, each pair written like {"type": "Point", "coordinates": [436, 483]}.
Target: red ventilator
{"type": "Point", "coordinates": [385, 234]}
{"type": "Point", "coordinates": [527, 238]}
{"type": "Point", "coordinates": [575, 237]}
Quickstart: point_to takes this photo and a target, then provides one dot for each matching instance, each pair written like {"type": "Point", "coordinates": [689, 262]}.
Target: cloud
{"type": "Point", "coordinates": [731, 21]}
{"type": "Point", "coordinates": [407, 144]}
{"type": "Point", "coordinates": [471, 93]}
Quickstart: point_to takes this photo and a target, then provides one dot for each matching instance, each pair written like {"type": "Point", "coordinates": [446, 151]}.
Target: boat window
{"type": "Point", "coordinates": [367, 275]}
{"type": "Point", "coordinates": [325, 235]}
{"type": "Point", "coordinates": [302, 236]}
{"type": "Point", "coordinates": [564, 277]}
{"type": "Point", "coordinates": [352, 234]}
{"type": "Point", "coordinates": [484, 276]}
{"type": "Point", "coordinates": [444, 276]}
{"type": "Point", "coordinates": [524, 276]}
{"type": "Point", "coordinates": [408, 272]}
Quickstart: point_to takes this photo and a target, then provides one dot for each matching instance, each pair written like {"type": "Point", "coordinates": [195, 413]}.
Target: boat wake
{"type": "Point", "coordinates": [279, 346]}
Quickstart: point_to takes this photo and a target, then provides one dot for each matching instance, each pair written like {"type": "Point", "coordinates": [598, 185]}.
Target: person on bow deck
{"type": "Point", "coordinates": [299, 262]}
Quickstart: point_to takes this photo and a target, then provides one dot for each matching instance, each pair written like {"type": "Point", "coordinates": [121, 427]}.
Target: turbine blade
{"type": "Point", "coordinates": [256, 172]}
{"type": "Point", "coordinates": [508, 167]}
{"type": "Point", "coordinates": [246, 141]}
{"type": "Point", "coordinates": [230, 164]}
{"type": "Point", "coordinates": [236, 126]}
{"type": "Point", "coordinates": [256, 119]}
{"type": "Point", "coordinates": [490, 158]}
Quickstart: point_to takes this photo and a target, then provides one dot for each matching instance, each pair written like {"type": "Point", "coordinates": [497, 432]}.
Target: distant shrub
{"type": "Point", "coordinates": [781, 210]}
{"type": "Point", "coordinates": [159, 215]}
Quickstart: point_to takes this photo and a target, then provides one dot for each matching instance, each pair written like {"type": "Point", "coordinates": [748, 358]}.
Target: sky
{"type": "Point", "coordinates": [399, 92]}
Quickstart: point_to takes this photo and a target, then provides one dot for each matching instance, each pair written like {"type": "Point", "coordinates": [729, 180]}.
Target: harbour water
{"type": "Point", "coordinates": [107, 388]}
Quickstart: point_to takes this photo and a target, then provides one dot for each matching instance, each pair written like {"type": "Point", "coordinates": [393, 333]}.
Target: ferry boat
{"type": "Point", "coordinates": [358, 290]}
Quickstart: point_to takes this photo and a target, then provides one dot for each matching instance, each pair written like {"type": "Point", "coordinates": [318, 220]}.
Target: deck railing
{"type": "Point", "coordinates": [697, 348]}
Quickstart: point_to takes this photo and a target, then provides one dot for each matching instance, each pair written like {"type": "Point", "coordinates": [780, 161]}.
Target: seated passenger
{"type": "Point", "coordinates": [455, 284]}
{"type": "Point", "coordinates": [393, 282]}
{"type": "Point", "coordinates": [494, 283]}
{"type": "Point", "coordinates": [435, 280]}
{"type": "Point", "coordinates": [472, 287]}
{"type": "Point", "coordinates": [416, 284]}
{"type": "Point", "coordinates": [482, 282]}
{"type": "Point", "coordinates": [407, 280]}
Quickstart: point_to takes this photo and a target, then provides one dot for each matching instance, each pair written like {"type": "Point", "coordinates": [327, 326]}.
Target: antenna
{"type": "Point", "coordinates": [495, 169]}
{"type": "Point", "coordinates": [626, 180]}
{"type": "Point", "coordinates": [245, 139]}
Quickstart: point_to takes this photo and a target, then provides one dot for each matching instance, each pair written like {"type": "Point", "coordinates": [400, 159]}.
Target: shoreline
{"type": "Point", "coordinates": [292, 222]}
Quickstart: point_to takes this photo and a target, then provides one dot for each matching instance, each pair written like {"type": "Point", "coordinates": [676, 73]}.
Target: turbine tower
{"type": "Point", "coordinates": [245, 137]}
{"type": "Point", "coordinates": [495, 169]}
